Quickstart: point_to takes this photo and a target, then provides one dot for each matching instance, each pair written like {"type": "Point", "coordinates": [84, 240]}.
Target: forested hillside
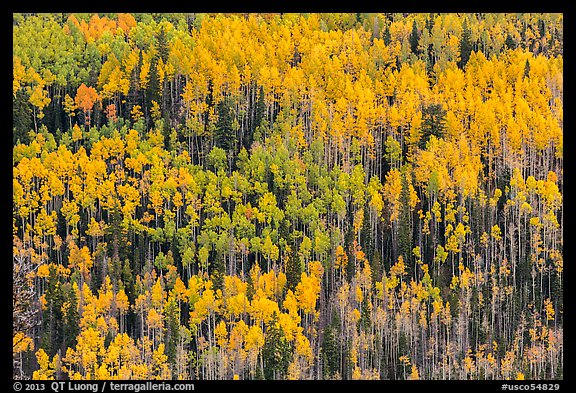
{"type": "Point", "coordinates": [287, 196]}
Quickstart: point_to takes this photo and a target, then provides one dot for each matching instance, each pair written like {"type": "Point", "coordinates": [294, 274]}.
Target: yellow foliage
{"type": "Point", "coordinates": [341, 258]}
{"type": "Point", "coordinates": [356, 373]}
{"type": "Point", "coordinates": [359, 295]}
{"type": "Point", "coordinates": [238, 334]}
{"type": "Point", "coordinates": [414, 375]}
{"type": "Point", "coordinates": [307, 292]}
{"type": "Point", "coordinates": [496, 232]}
{"type": "Point", "coordinates": [122, 301]}
{"type": "Point", "coordinates": [355, 316]}
{"type": "Point", "coordinates": [254, 338]}
{"type": "Point", "coordinates": [549, 309]}
{"type": "Point", "coordinates": [337, 100]}
{"type": "Point", "coordinates": [43, 271]}
{"type": "Point", "coordinates": [221, 334]}
{"type": "Point", "coordinates": [158, 294]}
{"type": "Point", "coordinates": [291, 303]}
{"type": "Point", "coordinates": [399, 268]}
{"type": "Point", "coordinates": [154, 319]}
{"type": "Point", "coordinates": [21, 343]}
{"type": "Point", "coordinates": [263, 308]}
{"type": "Point", "coordinates": [303, 348]}
{"type": "Point", "coordinates": [290, 325]}
{"type": "Point", "coordinates": [238, 304]}
{"type": "Point", "coordinates": [160, 367]}
{"type": "Point", "coordinates": [80, 259]}
{"type": "Point", "coordinates": [45, 371]}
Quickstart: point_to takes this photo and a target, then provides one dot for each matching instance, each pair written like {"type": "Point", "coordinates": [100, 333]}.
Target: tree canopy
{"type": "Point", "coordinates": [288, 196]}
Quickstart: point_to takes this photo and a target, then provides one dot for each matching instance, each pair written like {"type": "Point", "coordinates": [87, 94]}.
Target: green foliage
{"type": "Point", "coordinates": [276, 352]}
{"type": "Point", "coordinates": [465, 44]}
{"type": "Point", "coordinates": [393, 152]}
{"type": "Point", "coordinates": [21, 117]}
{"type": "Point", "coordinates": [293, 271]}
{"type": "Point", "coordinates": [217, 159]}
{"type": "Point", "coordinates": [53, 337]}
{"type": "Point", "coordinates": [330, 352]}
{"type": "Point", "coordinates": [405, 219]}
{"type": "Point", "coordinates": [414, 38]}
{"type": "Point", "coordinates": [172, 312]}
{"type": "Point", "coordinates": [433, 123]}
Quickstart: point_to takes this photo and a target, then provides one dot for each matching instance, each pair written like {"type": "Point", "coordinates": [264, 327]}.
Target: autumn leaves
{"type": "Point", "coordinates": [298, 196]}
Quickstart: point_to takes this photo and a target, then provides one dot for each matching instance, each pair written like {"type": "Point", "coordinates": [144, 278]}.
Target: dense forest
{"type": "Point", "coordinates": [287, 196]}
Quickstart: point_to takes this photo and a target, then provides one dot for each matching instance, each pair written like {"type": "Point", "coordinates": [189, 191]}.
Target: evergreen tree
{"type": "Point", "coordinates": [330, 352]}
{"type": "Point", "coordinates": [405, 224]}
{"type": "Point", "coordinates": [71, 329]}
{"type": "Point", "coordinates": [21, 117]}
{"type": "Point", "coordinates": [218, 271]}
{"type": "Point", "coordinates": [386, 35]}
{"type": "Point", "coordinates": [433, 123]}
{"type": "Point", "coordinates": [364, 322]}
{"type": "Point", "coordinates": [527, 69]}
{"type": "Point", "coordinates": [153, 91]}
{"type": "Point", "coordinates": [541, 27]}
{"type": "Point", "coordinates": [163, 48]}
{"type": "Point", "coordinates": [293, 272]}
{"type": "Point", "coordinates": [135, 93]}
{"type": "Point", "coordinates": [260, 108]}
{"type": "Point", "coordinates": [225, 134]}
{"type": "Point", "coordinates": [376, 265]}
{"type": "Point", "coordinates": [429, 52]}
{"type": "Point", "coordinates": [277, 351]}
{"type": "Point", "coordinates": [128, 279]}
{"type": "Point", "coordinates": [172, 330]}
{"type": "Point", "coordinates": [162, 44]}
{"type": "Point", "coordinates": [53, 326]}
{"type": "Point", "coordinates": [430, 22]}
{"type": "Point", "coordinates": [510, 43]}
{"type": "Point", "coordinates": [414, 37]}
{"type": "Point", "coordinates": [465, 45]}
{"type": "Point", "coordinates": [366, 239]}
